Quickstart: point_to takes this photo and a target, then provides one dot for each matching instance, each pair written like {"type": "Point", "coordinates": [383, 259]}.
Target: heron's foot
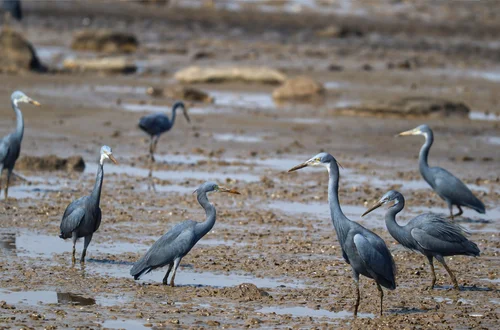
{"type": "Point", "coordinates": [429, 288]}
{"type": "Point", "coordinates": [172, 284]}
{"type": "Point", "coordinates": [73, 260]}
{"type": "Point", "coordinates": [456, 287]}
{"type": "Point", "coordinates": [165, 282]}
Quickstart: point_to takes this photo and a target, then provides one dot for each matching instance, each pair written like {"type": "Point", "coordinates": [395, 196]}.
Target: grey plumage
{"type": "Point", "coordinates": [158, 123]}
{"type": "Point", "coordinates": [10, 145]}
{"type": "Point", "coordinates": [177, 242]}
{"type": "Point", "coordinates": [82, 217]}
{"type": "Point", "coordinates": [445, 184]}
{"type": "Point", "coordinates": [365, 251]}
{"type": "Point", "coordinates": [429, 234]}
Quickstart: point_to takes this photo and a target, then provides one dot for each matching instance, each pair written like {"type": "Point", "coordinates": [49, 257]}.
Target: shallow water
{"type": "Point", "coordinates": [187, 277]}
{"type": "Point", "coordinates": [53, 297]}
{"type": "Point", "coordinates": [243, 99]}
{"type": "Point", "coordinates": [238, 138]}
{"type": "Point", "coordinates": [474, 115]}
{"type": "Point", "coordinates": [174, 175]}
{"type": "Point", "coordinates": [309, 312]}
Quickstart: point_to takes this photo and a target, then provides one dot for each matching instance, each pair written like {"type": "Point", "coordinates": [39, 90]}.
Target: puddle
{"type": "Point", "coordinates": [492, 280]}
{"type": "Point", "coordinates": [475, 115]}
{"type": "Point", "coordinates": [243, 99]}
{"type": "Point", "coordinates": [34, 190]}
{"type": "Point", "coordinates": [453, 301]}
{"type": "Point", "coordinates": [52, 297]}
{"type": "Point", "coordinates": [217, 242]}
{"type": "Point", "coordinates": [238, 138]}
{"type": "Point", "coordinates": [302, 120]}
{"type": "Point", "coordinates": [32, 244]}
{"type": "Point", "coordinates": [187, 277]}
{"type": "Point", "coordinates": [333, 85]}
{"type": "Point", "coordinates": [319, 209]}
{"type": "Point", "coordinates": [179, 159]}
{"type": "Point", "coordinates": [174, 175]}
{"type": "Point", "coordinates": [120, 89]}
{"type": "Point", "coordinates": [123, 324]}
{"type": "Point", "coordinates": [280, 163]}
{"type": "Point", "coordinates": [309, 312]}
{"type": "Point", "coordinates": [492, 140]}
{"type": "Point", "coordinates": [145, 107]}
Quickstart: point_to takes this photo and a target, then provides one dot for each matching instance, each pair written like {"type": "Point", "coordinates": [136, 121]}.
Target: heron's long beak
{"type": "Point", "coordinates": [374, 207]}
{"type": "Point", "coordinates": [113, 159]}
{"type": "Point", "coordinates": [298, 167]}
{"type": "Point", "coordinates": [227, 190]}
{"type": "Point", "coordinates": [410, 132]}
{"type": "Point", "coordinates": [186, 115]}
{"type": "Point", "coordinates": [34, 102]}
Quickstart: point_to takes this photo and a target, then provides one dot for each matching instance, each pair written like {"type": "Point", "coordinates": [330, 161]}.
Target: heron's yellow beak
{"type": "Point", "coordinates": [374, 207]}
{"type": "Point", "coordinates": [186, 115]}
{"type": "Point", "coordinates": [34, 102]}
{"type": "Point", "coordinates": [227, 190]}
{"type": "Point", "coordinates": [414, 131]}
{"type": "Point", "coordinates": [298, 167]}
{"type": "Point", "coordinates": [113, 159]}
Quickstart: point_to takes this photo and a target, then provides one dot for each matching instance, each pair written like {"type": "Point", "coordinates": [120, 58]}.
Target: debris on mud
{"type": "Point", "coordinates": [299, 88]}
{"type": "Point", "coordinates": [196, 74]}
{"type": "Point", "coordinates": [107, 64]}
{"type": "Point", "coordinates": [408, 107]}
{"type": "Point", "coordinates": [244, 292]}
{"type": "Point", "coordinates": [104, 41]}
{"type": "Point", "coordinates": [185, 93]}
{"type": "Point", "coordinates": [17, 53]}
{"type": "Point", "coordinates": [51, 163]}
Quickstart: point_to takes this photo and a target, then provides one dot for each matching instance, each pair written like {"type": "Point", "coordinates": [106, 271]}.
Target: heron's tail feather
{"type": "Point", "coordinates": [471, 249]}
{"type": "Point", "coordinates": [140, 268]}
{"type": "Point", "coordinates": [478, 206]}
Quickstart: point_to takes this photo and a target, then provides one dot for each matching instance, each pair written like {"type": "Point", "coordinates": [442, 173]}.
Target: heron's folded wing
{"type": "Point", "coordinates": [72, 220]}
{"type": "Point", "coordinates": [4, 149]}
{"type": "Point", "coordinates": [176, 242]}
{"type": "Point", "coordinates": [436, 243]}
{"type": "Point", "coordinates": [376, 256]}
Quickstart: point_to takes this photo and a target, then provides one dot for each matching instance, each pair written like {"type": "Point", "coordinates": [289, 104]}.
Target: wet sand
{"type": "Point", "coordinates": [277, 235]}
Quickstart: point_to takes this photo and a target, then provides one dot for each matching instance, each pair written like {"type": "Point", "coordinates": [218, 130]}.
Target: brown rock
{"type": "Point", "coordinates": [185, 93]}
{"type": "Point", "coordinates": [104, 41]}
{"type": "Point", "coordinates": [196, 74]}
{"type": "Point", "coordinates": [17, 53]}
{"type": "Point", "coordinates": [411, 107]}
{"type": "Point", "coordinates": [51, 163]}
{"type": "Point", "coordinates": [299, 88]}
{"type": "Point", "coordinates": [107, 64]}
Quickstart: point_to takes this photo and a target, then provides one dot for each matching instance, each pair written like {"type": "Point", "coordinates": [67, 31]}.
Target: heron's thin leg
{"type": "Point", "coordinates": [460, 211]}
{"type": "Point", "coordinates": [155, 142]}
{"type": "Point", "coordinates": [85, 245]}
{"type": "Point", "coordinates": [450, 206]}
{"type": "Point", "coordinates": [1, 172]}
{"type": "Point", "coordinates": [9, 172]}
{"type": "Point", "coordinates": [73, 258]}
{"type": "Point", "coordinates": [433, 273]}
{"type": "Point", "coordinates": [453, 278]}
{"type": "Point", "coordinates": [165, 279]}
{"type": "Point", "coordinates": [151, 149]}
{"type": "Point", "coordinates": [381, 298]}
{"type": "Point", "coordinates": [176, 265]}
{"type": "Point", "coordinates": [358, 297]}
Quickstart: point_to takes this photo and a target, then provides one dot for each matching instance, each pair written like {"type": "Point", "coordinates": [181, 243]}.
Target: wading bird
{"type": "Point", "coordinates": [175, 244]}
{"type": "Point", "coordinates": [82, 217]}
{"type": "Point", "coordinates": [158, 123]}
{"type": "Point", "coordinates": [365, 251]}
{"type": "Point", "coordinates": [429, 233]}
{"type": "Point", "coordinates": [10, 145]}
{"type": "Point", "coordinates": [445, 184]}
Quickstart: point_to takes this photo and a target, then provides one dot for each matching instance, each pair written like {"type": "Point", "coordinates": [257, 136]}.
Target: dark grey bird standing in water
{"type": "Point", "coordinates": [158, 123]}
{"type": "Point", "coordinates": [364, 250]}
{"type": "Point", "coordinates": [10, 145]}
{"type": "Point", "coordinates": [445, 184]}
{"type": "Point", "coordinates": [175, 244]}
{"type": "Point", "coordinates": [429, 233]}
{"type": "Point", "coordinates": [83, 216]}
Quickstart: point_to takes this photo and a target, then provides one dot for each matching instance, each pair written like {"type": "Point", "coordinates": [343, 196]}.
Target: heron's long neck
{"type": "Point", "coordinates": [204, 227]}
{"type": "Point", "coordinates": [340, 221]}
{"type": "Point", "coordinates": [96, 192]}
{"type": "Point", "coordinates": [19, 120]}
{"type": "Point", "coordinates": [424, 154]}
{"type": "Point", "coordinates": [393, 227]}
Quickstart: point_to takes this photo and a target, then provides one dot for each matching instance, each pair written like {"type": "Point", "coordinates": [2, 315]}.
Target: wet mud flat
{"type": "Point", "coordinates": [272, 259]}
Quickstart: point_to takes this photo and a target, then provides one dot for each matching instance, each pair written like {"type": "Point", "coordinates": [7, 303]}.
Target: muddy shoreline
{"type": "Point", "coordinates": [272, 259]}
